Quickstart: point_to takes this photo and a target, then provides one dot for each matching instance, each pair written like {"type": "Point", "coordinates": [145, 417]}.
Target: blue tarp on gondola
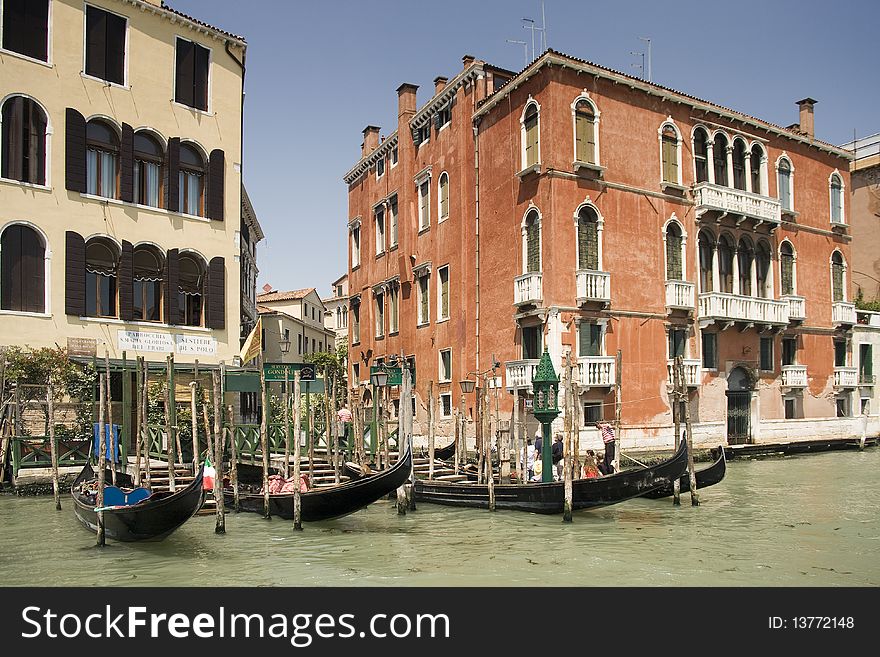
{"type": "Point", "coordinates": [115, 446]}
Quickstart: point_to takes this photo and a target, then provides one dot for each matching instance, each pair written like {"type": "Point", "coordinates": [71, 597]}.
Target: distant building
{"type": "Point", "coordinates": [249, 234]}
{"type": "Point", "coordinates": [336, 316]}
{"type": "Point", "coordinates": [296, 316]}
{"type": "Point", "coordinates": [864, 213]}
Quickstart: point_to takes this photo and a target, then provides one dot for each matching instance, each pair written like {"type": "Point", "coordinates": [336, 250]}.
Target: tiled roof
{"type": "Point", "coordinates": [171, 10]}
{"type": "Point", "coordinates": [290, 295]}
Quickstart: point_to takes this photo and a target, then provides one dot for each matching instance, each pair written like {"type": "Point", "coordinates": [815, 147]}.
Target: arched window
{"type": "Point", "coordinates": [22, 270]}
{"type": "Point", "coordinates": [102, 159]}
{"type": "Point", "coordinates": [706, 246]}
{"type": "Point", "coordinates": [786, 268]}
{"type": "Point", "coordinates": [762, 270]}
{"type": "Point", "coordinates": [533, 242]}
{"type": "Point", "coordinates": [147, 274]}
{"type": "Point", "coordinates": [725, 264]}
{"type": "Point", "coordinates": [739, 164]}
{"type": "Point", "coordinates": [673, 252]}
{"type": "Point", "coordinates": [701, 155]}
{"type": "Point", "coordinates": [745, 256]}
{"type": "Point", "coordinates": [836, 199]}
{"type": "Point", "coordinates": [783, 179]}
{"type": "Point", "coordinates": [585, 132]}
{"type": "Point", "coordinates": [757, 164]}
{"type": "Point", "coordinates": [838, 268]}
{"type": "Point", "coordinates": [102, 261]}
{"type": "Point", "coordinates": [719, 151]}
{"type": "Point", "coordinates": [148, 176]}
{"type": "Point", "coordinates": [530, 136]}
{"type": "Point", "coordinates": [669, 154]}
{"type": "Point", "coordinates": [443, 195]}
{"type": "Point", "coordinates": [191, 180]}
{"type": "Point", "coordinates": [23, 153]}
{"type": "Point", "coordinates": [588, 239]}
{"type": "Point", "coordinates": [191, 288]}
{"type": "Point", "coordinates": [344, 317]}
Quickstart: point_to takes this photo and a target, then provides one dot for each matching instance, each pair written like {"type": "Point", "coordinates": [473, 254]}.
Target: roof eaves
{"type": "Point", "coordinates": [174, 16]}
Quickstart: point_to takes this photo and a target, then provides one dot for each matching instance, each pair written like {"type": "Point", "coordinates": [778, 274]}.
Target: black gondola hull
{"type": "Point", "coordinates": [550, 497]}
{"type": "Point", "coordinates": [705, 477]}
{"type": "Point", "coordinates": [334, 502]}
{"type": "Point", "coordinates": [153, 519]}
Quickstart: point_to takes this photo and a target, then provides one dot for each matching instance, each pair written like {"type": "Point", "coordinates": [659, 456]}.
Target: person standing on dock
{"type": "Point", "coordinates": [345, 417]}
{"type": "Point", "coordinates": [607, 433]}
{"type": "Point", "coordinates": [557, 454]}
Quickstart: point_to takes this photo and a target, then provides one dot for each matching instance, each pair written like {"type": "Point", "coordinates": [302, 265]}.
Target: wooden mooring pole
{"type": "Point", "coordinates": [102, 459]}
{"type": "Point", "coordinates": [233, 455]}
{"type": "Point", "coordinates": [169, 424]}
{"type": "Point", "coordinates": [617, 409]}
{"type": "Point", "coordinates": [486, 420]}
{"type": "Point", "coordinates": [521, 456]}
{"type": "Point", "coordinates": [264, 435]}
{"type": "Point", "coordinates": [138, 422]}
{"type": "Point", "coordinates": [145, 429]}
{"type": "Point", "coordinates": [568, 421]}
{"type": "Point", "coordinates": [695, 499]}
{"type": "Point", "coordinates": [404, 432]}
{"type": "Point", "coordinates": [194, 412]}
{"type": "Point", "coordinates": [220, 527]}
{"type": "Point", "coordinates": [430, 431]}
{"type": "Point", "coordinates": [109, 408]}
{"type": "Point", "coordinates": [676, 424]}
{"type": "Point", "coordinates": [297, 453]}
{"type": "Point", "coordinates": [50, 401]}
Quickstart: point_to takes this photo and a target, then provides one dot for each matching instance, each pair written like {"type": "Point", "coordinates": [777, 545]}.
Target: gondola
{"type": "Point", "coordinates": [333, 502]}
{"type": "Point", "coordinates": [445, 453]}
{"type": "Point", "coordinates": [705, 477]}
{"type": "Point", "coordinates": [152, 518]}
{"type": "Point", "coordinates": [549, 497]}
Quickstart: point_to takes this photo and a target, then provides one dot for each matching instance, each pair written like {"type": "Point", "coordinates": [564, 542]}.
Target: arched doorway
{"type": "Point", "coordinates": [739, 402]}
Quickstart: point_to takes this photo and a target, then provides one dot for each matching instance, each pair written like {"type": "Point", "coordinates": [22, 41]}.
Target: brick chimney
{"type": "Point", "coordinates": [467, 60]}
{"type": "Point", "coordinates": [371, 139]}
{"type": "Point", "coordinates": [406, 99]}
{"type": "Point", "coordinates": [806, 116]}
{"type": "Point", "coordinates": [439, 84]}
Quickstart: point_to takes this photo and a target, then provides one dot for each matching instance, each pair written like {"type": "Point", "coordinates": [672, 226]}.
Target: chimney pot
{"type": "Point", "coordinates": [467, 60]}
{"type": "Point", "coordinates": [371, 138]}
{"type": "Point", "coordinates": [439, 84]}
{"type": "Point", "coordinates": [406, 98]}
{"type": "Point", "coordinates": [806, 116]}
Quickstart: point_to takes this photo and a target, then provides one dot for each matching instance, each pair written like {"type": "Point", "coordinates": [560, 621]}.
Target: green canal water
{"type": "Point", "coordinates": [798, 521]}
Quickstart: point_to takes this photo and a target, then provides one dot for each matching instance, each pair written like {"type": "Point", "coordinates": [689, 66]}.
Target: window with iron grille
{"type": "Point", "coordinates": [533, 243]}
{"type": "Point", "coordinates": [588, 239]}
{"type": "Point", "coordinates": [673, 252]}
{"type": "Point", "coordinates": [766, 359]}
{"type": "Point", "coordinates": [446, 404]}
{"type": "Point", "coordinates": [786, 268]}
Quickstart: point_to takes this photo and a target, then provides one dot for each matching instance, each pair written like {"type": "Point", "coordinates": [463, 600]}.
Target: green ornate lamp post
{"type": "Point", "coordinates": [545, 408]}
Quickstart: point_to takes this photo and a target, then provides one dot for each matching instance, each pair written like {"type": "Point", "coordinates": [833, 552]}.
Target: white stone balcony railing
{"type": "Point", "coordinates": [519, 373]}
{"type": "Point", "coordinates": [867, 379]}
{"type": "Point", "coordinates": [596, 371]}
{"type": "Point", "coordinates": [527, 289]}
{"type": "Point", "coordinates": [693, 371]}
{"type": "Point", "coordinates": [846, 377]}
{"type": "Point", "coordinates": [797, 307]}
{"type": "Point", "coordinates": [734, 307]}
{"type": "Point", "coordinates": [735, 201]}
{"type": "Point", "coordinates": [593, 285]}
{"type": "Point", "coordinates": [843, 312]}
{"type": "Point", "coordinates": [680, 294]}
{"type": "Point", "coordinates": [794, 376]}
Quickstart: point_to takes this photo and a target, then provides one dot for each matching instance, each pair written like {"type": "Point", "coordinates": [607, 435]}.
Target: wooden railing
{"type": "Point", "coordinates": [35, 452]}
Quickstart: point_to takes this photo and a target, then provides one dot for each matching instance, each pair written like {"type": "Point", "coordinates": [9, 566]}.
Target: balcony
{"type": "Point", "coordinates": [519, 373]}
{"type": "Point", "coordinates": [527, 290]}
{"type": "Point", "coordinates": [797, 307]}
{"type": "Point", "coordinates": [846, 377]}
{"type": "Point", "coordinates": [718, 198]}
{"type": "Point", "coordinates": [680, 295]}
{"type": "Point", "coordinates": [735, 308]}
{"type": "Point", "coordinates": [593, 286]}
{"type": "Point", "coordinates": [843, 313]}
{"type": "Point", "coordinates": [867, 380]}
{"type": "Point", "coordinates": [596, 371]}
{"type": "Point", "coordinates": [692, 372]}
{"type": "Point", "coordinates": [794, 376]}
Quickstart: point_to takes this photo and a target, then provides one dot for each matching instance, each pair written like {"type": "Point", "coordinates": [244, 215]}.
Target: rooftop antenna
{"type": "Point", "coordinates": [648, 41]}
{"type": "Point", "coordinates": [525, 49]}
{"type": "Point", "coordinates": [641, 66]}
{"type": "Point", "coordinates": [531, 26]}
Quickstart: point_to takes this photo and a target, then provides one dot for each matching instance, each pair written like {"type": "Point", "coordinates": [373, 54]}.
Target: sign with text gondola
{"type": "Point", "coordinates": [276, 371]}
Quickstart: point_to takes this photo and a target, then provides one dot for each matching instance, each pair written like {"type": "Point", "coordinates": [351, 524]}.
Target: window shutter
{"type": "Point", "coordinates": [416, 136]}
{"type": "Point", "coordinates": [115, 41]}
{"type": "Point", "coordinates": [173, 168]}
{"type": "Point", "coordinates": [183, 84]}
{"type": "Point", "coordinates": [200, 77]}
{"type": "Point", "coordinates": [13, 133]}
{"type": "Point", "coordinates": [437, 121]}
{"type": "Point", "coordinates": [170, 283]}
{"type": "Point", "coordinates": [23, 270]}
{"type": "Point", "coordinates": [837, 281]}
{"type": "Point", "coordinates": [588, 244]}
{"type": "Point", "coordinates": [216, 184]}
{"type": "Point", "coordinates": [533, 246]}
{"type": "Point", "coordinates": [531, 141]}
{"type": "Point", "coordinates": [126, 164]}
{"type": "Point", "coordinates": [787, 266]}
{"type": "Point", "coordinates": [96, 42]}
{"type": "Point", "coordinates": [125, 283]}
{"type": "Point", "coordinates": [75, 152]}
{"type": "Point", "coordinates": [673, 257]}
{"type": "Point", "coordinates": [215, 317]}
{"type": "Point", "coordinates": [444, 301]}
{"type": "Point", "coordinates": [37, 145]}
{"type": "Point", "coordinates": [74, 274]}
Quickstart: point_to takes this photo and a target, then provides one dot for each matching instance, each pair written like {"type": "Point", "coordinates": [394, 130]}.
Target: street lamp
{"type": "Point", "coordinates": [467, 386]}
{"type": "Point", "coordinates": [379, 379]}
{"type": "Point", "coordinates": [545, 408]}
{"type": "Point", "coordinates": [284, 345]}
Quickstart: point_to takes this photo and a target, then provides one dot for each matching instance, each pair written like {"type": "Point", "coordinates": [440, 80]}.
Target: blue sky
{"type": "Point", "coordinates": [319, 71]}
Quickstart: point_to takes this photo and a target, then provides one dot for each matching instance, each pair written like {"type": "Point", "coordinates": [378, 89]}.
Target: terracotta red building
{"type": "Point", "coordinates": [573, 207]}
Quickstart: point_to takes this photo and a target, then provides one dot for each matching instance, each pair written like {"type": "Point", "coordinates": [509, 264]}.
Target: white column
{"type": "Point", "coordinates": [710, 159]}
{"type": "Point", "coordinates": [716, 270]}
{"type": "Point", "coordinates": [736, 270]}
{"type": "Point", "coordinates": [729, 171]}
{"type": "Point", "coordinates": [753, 274]}
{"type": "Point", "coordinates": [599, 230]}
{"type": "Point", "coordinates": [748, 163]}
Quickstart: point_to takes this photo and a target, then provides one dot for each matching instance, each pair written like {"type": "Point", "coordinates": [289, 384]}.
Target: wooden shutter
{"type": "Point", "coordinates": [74, 274]}
{"type": "Point", "coordinates": [75, 151]}
{"type": "Point", "coordinates": [673, 257]}
{"type": "Point", "coordinates": [10, 255]}
{"type": "Point", "coordinates": [23, 270]}
{"type": "Point", "coordinates": [36, 125]}
{"type": "Point", "coordinates": [115, 49]}
{"type": "Point", "coordinates": [25, 27]}
{"type": "Point", "coordinates": [126, 164]}
{"type": "Point", "coordinates": [173, 168]}
{"type": "Point", "coordinates": [125, 283]}
{"type": "Point", "coordinates": [444, 292]}
{"type": "Point", "coordinates": [836, 281]}
{"type": "Point", "coordinates": [183, 84]}
{"type": "Point", "coordinates": [533, 245]}
{"type": "Point", "coordinates": [13, 134]}
{"type": "Point", "coordinates": [589, 339]}
{"type": "Point", "coordinates": [670, 159]}
{"type": "Point", "coordinates": [200, 77]}
{"type": "Point", "coordinates": [588, 244]}
{"type": "Point", "coordinates": [787, 267]}
{"type": "Point", "coordinates": [170, 283]}
{"type": "Point", "coordinates": [416, 136]}
{"type": "Point", "coordinates": [216, 184]}
{"type": "Point", "coordinates": [96, 42]}
{"type": "Point", "coordinates": [215, 314]}
{"type": "Point", "coordinates": [532, 140]}
{"type": "Point", "coordinates": [437, 121]}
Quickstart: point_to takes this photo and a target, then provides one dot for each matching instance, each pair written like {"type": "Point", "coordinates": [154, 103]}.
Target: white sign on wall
{"type": "Point", "coordinates": [144, 341]}
{"type": "Point", "coordinates": [195, 344]}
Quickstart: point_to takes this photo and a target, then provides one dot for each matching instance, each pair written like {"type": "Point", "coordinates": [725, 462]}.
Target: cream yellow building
{"type": "Point", "coordinates": [120, 180]}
